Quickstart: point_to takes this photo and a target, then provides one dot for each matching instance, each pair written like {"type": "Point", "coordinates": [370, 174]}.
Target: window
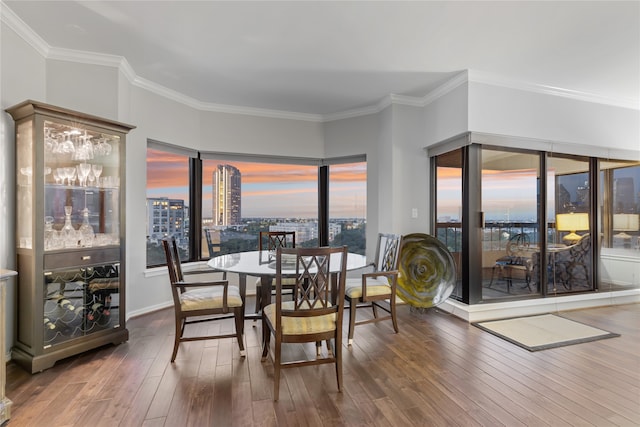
{"type": "Point", "coordinates": [510, 194]}
{"type": "Point", "coordinates": [348, 206]}
{"type": "Point", "coordinates": [569, 239]}
{"type": "Point", "coordinates": [228, 199]}
{"type": "Point", "coordinates": [448, 207]}
{"type": "Point", "coordinates": [167, 203]}
{"type": "Point", "coordinates": [240, 199]}
{"type": "Point", "coordinates": [619, 225]}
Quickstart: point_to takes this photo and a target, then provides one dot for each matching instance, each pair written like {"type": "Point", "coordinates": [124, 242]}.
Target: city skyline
{"type": "Point", "coordinates": [512, 195]}
{"type": "Point", "coordinates": [268, 190]}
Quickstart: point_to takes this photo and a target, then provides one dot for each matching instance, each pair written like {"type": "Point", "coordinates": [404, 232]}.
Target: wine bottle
{"type": "Point", "coordinates": [48, 324]}
{"type": "Point", "coordinates": [107, 305]}
{"type": "Point", "coordinates": [95, 311]}
{"type": "Point", "coordinates": [65, 304]}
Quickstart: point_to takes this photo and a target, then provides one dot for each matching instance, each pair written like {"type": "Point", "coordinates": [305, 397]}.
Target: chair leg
{"type": "Point", "coordinates": [265, 344]}
{"type": "Point", "coordinates": [352, 319]}
{"type": "Point", "coordinates": [338, 356]}
{"type": "Point", "coordinates": [493, 273]}
{"type": "Point", "coordinates": [176, 343]}
{"type": "Point", "coordinates": [392, 306]}
{"type": "Point", "coordinates": [239, 318]}
{"type": "Point", "coordinates": [258, 299]}
{"type": "Point", "coordinates": [276, 371]}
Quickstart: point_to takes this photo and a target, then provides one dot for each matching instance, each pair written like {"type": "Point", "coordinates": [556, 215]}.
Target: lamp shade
{"type": "Point", "coordinates": [572, 222]}
{"type": "Point", "coordinates": [626, 222]}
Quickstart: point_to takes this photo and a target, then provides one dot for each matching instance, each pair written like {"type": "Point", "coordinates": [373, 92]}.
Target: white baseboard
{"type": "Point", "coordinates": [503, 310]}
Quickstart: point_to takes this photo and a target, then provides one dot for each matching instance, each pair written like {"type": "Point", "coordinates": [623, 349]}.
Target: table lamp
{"type": "Point", "coordinates": [625, 222]}
{"type": "Point", "coordinates": [572, 222]}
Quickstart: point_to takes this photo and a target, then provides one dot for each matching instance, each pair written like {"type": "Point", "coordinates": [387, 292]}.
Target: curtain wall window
{"type": "Point", "coordinates": [167, 202]}
{"type": "Point", "coordinates": [448, 206]}
{"type": "Point", "coordinates": [510, 195]}
{"type": "Point", "coordinates": [217, 203]}
{"type": "Point", "coordinates": [348, 205]}
{"type": "Point", "coordinates": [240, 199]}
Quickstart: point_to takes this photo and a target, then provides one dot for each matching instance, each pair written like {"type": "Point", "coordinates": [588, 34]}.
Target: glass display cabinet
{"type": "Point", "coordinates": [70, 178]}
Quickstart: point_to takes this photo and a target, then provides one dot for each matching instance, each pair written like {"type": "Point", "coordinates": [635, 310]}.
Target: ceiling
{"type": "Point", "coordinates": [329, 57]}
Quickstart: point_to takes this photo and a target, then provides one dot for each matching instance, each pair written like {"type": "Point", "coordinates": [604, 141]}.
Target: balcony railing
{"type": "Point", "coordinates": [495, 235]}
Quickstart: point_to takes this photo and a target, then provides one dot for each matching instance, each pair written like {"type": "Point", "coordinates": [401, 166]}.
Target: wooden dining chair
{"type": "Point", "coordinates": [376, 289]}
{"type": "Point", "coordinates": [270, 241]}
{"type": "Point", "coordinates": [213, 245]}
{"type": "Point", "coordinates": [311, 317]}
{"type": "Point", "coordinates": [196, 302]}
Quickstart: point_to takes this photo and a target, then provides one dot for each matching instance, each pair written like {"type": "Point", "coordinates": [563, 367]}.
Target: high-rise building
{"type": "Point", "coordinates": [166, 217]}
{"type": "Point", "coordinates": [624, 195]}
{"type": "Point", "coordinates": [227, 194]}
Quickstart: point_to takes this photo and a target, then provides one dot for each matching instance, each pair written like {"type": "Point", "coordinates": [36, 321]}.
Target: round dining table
{"type": "Point", "coordinates": [262, 264]}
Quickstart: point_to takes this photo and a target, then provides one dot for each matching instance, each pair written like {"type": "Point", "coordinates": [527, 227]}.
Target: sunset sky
{"type": "Point", "coordinates": [268, 190]}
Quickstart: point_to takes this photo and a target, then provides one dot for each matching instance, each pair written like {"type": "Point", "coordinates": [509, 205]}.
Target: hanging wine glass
{"type": "Point", "coordinates": [49, 140]}
{"type": "Point", "coordinates": [67, 145]}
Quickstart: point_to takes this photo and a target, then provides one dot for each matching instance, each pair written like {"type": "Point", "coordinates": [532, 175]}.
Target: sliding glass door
{"type": "Point", "coordinates": [569, 241]}
{"type": "Point", "coordinates": [510, 195]}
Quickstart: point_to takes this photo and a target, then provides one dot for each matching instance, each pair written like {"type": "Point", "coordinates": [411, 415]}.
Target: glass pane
{"type": "Point", "coordinates": [24, 181]}
{"type": "Point", "coordinates": [510, 192]}
{"type": "Point", "coordinates": [449, 208]}
{"type": "Point", "coordinates": [620, 207]}
{"type": "Point", "coordinates": [80, 301]}
{"type": "Point", "coordinates": [240, 199]}
{"type": "Point", "coordinates": [167, 203]}
{"type": "Point", "coordinates": [82, 187]}
{"type": "Point", "coordinates": [348, 206]}
{"type": "Point", "coordinates": [569, 247]}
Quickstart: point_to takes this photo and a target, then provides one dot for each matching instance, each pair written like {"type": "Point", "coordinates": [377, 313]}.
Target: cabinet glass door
{"type": "Point", "coordinates": [82, 182]}
{"type": "Point", "coordinates": [80, 301]}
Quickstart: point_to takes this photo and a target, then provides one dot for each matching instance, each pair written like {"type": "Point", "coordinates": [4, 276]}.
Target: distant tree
{"type": "Point", "coordinates": [355, 240]}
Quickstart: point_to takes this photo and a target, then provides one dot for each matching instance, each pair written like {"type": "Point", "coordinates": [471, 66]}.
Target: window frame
{"type": "Point", "coordinates": [195, 186]}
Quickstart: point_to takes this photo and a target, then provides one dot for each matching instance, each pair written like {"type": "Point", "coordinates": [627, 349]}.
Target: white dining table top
{"type": "Point", "coordinates": [263, 263]}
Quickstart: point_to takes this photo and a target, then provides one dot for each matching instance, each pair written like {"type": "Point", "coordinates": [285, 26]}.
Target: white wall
{"type": "Point", "coordinates": [409, 173]}
{"type": "Point", "coordinates": [22, 76]}
{"type": "Point", "coordinates": [356, 136]}
{"type": "Point", "coordinates": [92, 89]}
{"type": "Point", "coordinates": [507, 111]}
{"type": "Point", "coordinates": [446, 116]}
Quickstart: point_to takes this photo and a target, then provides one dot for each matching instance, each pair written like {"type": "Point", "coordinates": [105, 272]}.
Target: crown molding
{"type": "Point", "coordinates": [385, 102]}
{"type": "Point", "coordinates": [493, 79]}
{"type": "Point", "coordinates": [220, 108]}
{"type": "Point", "coordinates": [25, 32]}
{"type": "Point", "coordinates": [14, 22]}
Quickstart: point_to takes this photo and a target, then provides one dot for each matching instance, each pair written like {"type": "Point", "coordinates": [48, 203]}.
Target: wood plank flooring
{"type": "Point", "coordinates": [438, 371]}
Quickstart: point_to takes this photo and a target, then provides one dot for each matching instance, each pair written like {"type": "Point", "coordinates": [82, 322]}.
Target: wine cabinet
{"type": "Point", "coordinates": [70, 229]}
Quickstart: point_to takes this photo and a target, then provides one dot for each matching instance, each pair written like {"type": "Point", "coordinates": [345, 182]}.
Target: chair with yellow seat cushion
{"type": "Point", "coordinates": [196, 302]}
{"type": "Point", "coordinates": [376, 289]}
{"type": "Point", "coordinates": [311, 317]}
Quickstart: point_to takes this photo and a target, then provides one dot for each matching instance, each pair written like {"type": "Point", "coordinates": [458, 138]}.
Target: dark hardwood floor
{"type": "Point", "coordinates": [438, 371]}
